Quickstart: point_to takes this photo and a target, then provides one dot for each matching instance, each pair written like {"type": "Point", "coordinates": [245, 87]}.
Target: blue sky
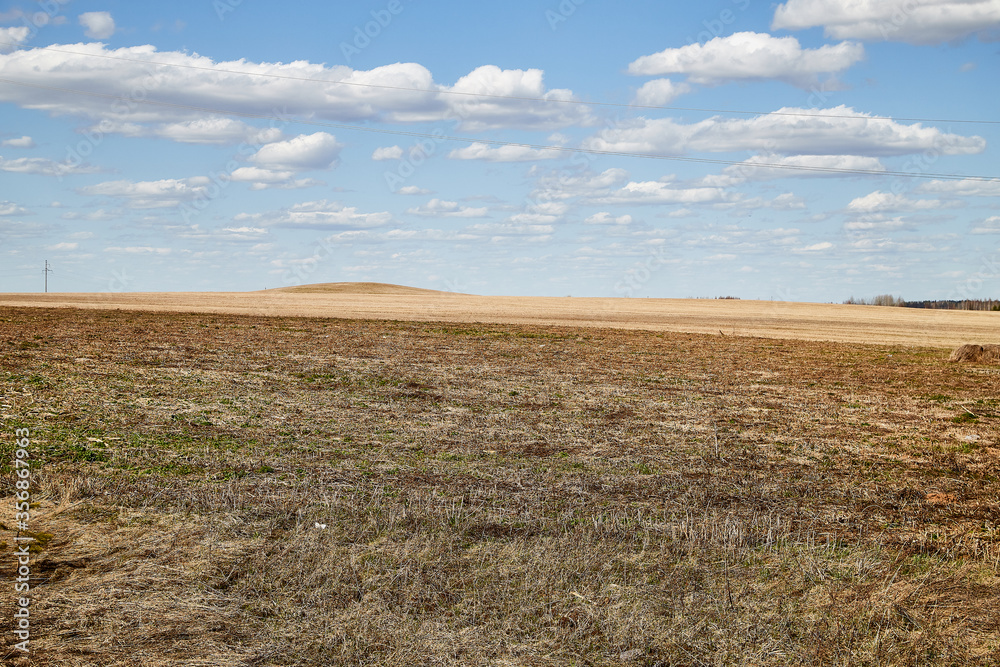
{"type": "Point", "coordinates": [238, 145]}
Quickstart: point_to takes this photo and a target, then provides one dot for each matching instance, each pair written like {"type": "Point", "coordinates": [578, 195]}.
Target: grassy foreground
{"type": "Point", "coordinates": [234, 490]}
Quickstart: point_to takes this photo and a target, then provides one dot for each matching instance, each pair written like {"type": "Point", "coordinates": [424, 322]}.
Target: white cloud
{"type": "Point", "coordinates": [21, 142]}
{"type": "Point", "coordinates": [98, 25]}
{"type": "Point", "coordinates": [879, 201]}
{"type": "Point", "coordinates": [605, 218]}
{"type": "Point", "coordinates": [876, 223]}
{"type": "Point", "coordinates": [44, 167]}
{"type": "Point", "coordinates": [10, 208]}
{"type": "Point", "coordinates": [11, 38]}
{"type": "Point", "coordinates": [481, 113]}
{"type": "Point", "coordinates": [824, 245]}
{"type": "Point", "coordinates": [99, 214]}
{"type": "Point", "coordinates": [304, 152]}
{"type": "Point", "coordinates": [388, 153]}
{"type": "Point", "coordinates": [321, 214]}
{"type": "Point", "coordinates": [753, 169]}
{"type": "Point", "coordinates": [264, 179]}
{"type": "Point", "coordinates": [501, 231]}
{"type": "Point", "coordinates": [438, 208]}
{"type": "Point", "coordinates": [165, 193]}
{"type": "Point", "coordinates": [916, 22]}
{"type": "Point", "coordinates": [660, 92]}
{"type": "Point", "coordinates": [988, 226]}
{"type": "Point", "coordinates": [63, 246]}
{"type": "Point", "coordinates": [808, 132]}
{"type": "Point", "coordinates": [487, 153]}
{"type": "Point", "coordinates": [963, 188]}
{"type": "Point", "coordinates": [241, 89]}
{"type": "Point", "coordinates": [216, 130]}
{"type": "Point", "coordinates": [750, 55]}
{"type": "Point", "coordinates": [412, 190]}
{"type": "Point", "coordinates": [557, 186]}
{"type": "Point", "coordinates": [138, 250]}
{"type": "Point", "coordinates": [660, 192]}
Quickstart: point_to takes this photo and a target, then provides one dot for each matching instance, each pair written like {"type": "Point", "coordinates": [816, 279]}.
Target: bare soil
{"type": "Point", "coordinates": [223, 489]}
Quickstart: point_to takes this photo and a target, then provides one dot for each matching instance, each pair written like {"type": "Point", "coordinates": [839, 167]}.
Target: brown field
{"type": "Point", "coordinates": [573, 488]}
{"type": "Point", "coordinates": [770, 319]}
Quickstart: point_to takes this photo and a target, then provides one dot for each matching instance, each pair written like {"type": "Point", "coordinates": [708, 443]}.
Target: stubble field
{"type": "Point", "coordinates": [219, 489]}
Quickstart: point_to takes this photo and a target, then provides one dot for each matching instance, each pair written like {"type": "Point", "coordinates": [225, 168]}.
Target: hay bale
{"type": "Point", "coordinates": [978, 354]}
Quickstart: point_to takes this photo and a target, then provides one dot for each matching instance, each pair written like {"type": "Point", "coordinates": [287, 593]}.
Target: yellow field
{"type": "Point", "coordinates": [769, 319]}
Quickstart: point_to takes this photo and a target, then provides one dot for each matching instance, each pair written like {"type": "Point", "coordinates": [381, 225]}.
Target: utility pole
{"type": "Point", "coordinates": [47, 271]}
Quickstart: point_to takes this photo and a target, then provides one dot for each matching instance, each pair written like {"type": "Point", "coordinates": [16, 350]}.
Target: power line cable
{"type": "Point", "coordinates": [497, 142]}
{"type": "Point", "coordinates": [504, 97]}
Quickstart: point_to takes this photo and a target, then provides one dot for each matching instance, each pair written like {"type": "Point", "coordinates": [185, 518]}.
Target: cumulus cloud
{"type": "Point", "coordinates": [98, 25]}
{"type": "Point", "coordinates": [768, 167]}
{"type": "Point", "coordinates": [45, 167]}
{"type": "Point", "coordinates": [412, 190]}
{"type": "Point", "coordinates": [661, 192]}
{"type": "Point", "coordinates": [487, 153]}
{"type": "Point", "coordinates": [917, 22]}
{"type": "Point", "coordinates": [265, 179]}
{"type": "Point", "coordinates": [165, 193]}
{"type": "Point", "coordinates": [11, 38]}
{"type": "Point", "coordinates": [750, 55]}
{"type": "Point", "coordinates": [967, 187]}
{"type": "Point", "coordinates": [823, 245]}
{"type": "Point", "coordinates": [438, 208]}
{"type": "Point", "coordinates": [879, 201]}
{"type": "Point", "coordinates": [215, 130]}
{"type": "Point", "coordinates": [63, 246]}
{"type": "Point", "coordinates": [990, 225]}
{"type": "Point", "coordinates": [388, 153]}
{"type": "Point", "coordinates": [660, 92]}
{"type": "Point", "coordinates": [498, 232]}
{"type": "Point", "coordinates": [482, 113]}
{"type": "Point", "coordinates": [138, 250]}
{"type": "Point", "coordinates": [837, 131]}
{"type": "Point", "coordinates": [245, 87]}
{"type": "Point", "coordinates": [556, 186]}
{"type": "Point", "coordinates": [321, 214]}
{"type": "Point", "coordinates": [304, 152]}
{"type": "Point", "coordinates": [605, 218]}
{"type": "Point", "coordinates": [10, 208]}
{"type": "Point", "coordinates": [21, 142]}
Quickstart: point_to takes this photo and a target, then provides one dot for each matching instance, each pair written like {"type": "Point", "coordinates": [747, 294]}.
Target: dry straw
{"type": "Point", "coordinates": [983, 354]}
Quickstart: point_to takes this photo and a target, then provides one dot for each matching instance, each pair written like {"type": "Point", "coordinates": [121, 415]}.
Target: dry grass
{"type": "Point", "coordinates": [989, 354]}
{"type": "Point", "coordinates": [498, 494]}
{"type": "Point", "coordinates": [375, 301]}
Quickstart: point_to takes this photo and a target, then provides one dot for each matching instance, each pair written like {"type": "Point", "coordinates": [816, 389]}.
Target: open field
{"type": "Point", "coordinates": [233, 489]}
{"type": "Point", "coordinates": [771, 319]}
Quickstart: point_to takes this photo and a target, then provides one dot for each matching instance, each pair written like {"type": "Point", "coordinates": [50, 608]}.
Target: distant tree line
{"type": "Point", "coordinates": [954, 304]}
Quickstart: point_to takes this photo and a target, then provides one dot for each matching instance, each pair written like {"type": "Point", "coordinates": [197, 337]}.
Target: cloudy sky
{"type": "Point", "coordinates": [806, 150]}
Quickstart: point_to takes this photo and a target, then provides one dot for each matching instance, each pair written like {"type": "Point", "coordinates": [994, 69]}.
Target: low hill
{"type": "Point", "coordinates": [354, 288]}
